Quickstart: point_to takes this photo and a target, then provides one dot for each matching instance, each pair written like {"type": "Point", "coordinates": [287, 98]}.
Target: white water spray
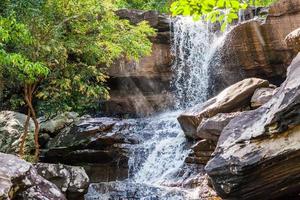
{"type": "Point", "coordinates": [194, 45]}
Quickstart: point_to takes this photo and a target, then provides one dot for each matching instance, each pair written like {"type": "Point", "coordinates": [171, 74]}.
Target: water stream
{"type": "Point", "coordinates": [156, 165]}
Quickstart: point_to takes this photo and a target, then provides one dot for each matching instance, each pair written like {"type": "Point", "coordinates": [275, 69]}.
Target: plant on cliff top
{"type": "Point", "coordinates": [222, 11]}
{"type": "Point", "coordinates": [62, 50]}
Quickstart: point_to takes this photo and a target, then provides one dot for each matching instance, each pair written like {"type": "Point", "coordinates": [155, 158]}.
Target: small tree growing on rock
{"type": "Point", "coordinates": [21, 70]}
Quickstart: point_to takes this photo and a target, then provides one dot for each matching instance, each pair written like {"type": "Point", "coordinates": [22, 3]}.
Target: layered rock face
{"type": "Point", "coordinates": [100, 144]}
{"type": "Point", "coordinates": [256, 48]}
{"type": "Point", "coordinates": [205, 122]}
{"type": "Point", "coordinates": [144, 87]}
{"type": "Point", "coordinates": [20, 180]}
{"type": "Point", "coordinates": [258, 153]}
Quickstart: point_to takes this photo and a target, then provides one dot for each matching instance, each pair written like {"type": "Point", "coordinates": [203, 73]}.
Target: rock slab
{"type": "Point", "coordinates": [258, 153]}
{"type": "Point", "coordinates": [229, 100]}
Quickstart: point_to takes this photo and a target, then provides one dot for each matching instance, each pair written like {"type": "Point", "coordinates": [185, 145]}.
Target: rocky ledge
{"type": "Point", "coordinates": [258, 153]}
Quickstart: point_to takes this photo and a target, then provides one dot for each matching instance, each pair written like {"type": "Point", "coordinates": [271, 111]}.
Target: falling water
{"type": "Point", "coordinates": [158, 161]}
{"type": "Point", "coordinates": [194, 45]}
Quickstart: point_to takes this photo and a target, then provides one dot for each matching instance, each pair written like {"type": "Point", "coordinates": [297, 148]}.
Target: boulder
{"type": "Point", "coordinates": [261, 96]}
{"type": "Point", "coordinates": [71, 180]}
{"type": "Point", "coordinates": [11, 129]}
{"type": "Point", "coordinates": [101, 144]}
{"type": "Point", "coordinates": [159, 21]}
{"type": "Point", "coordinates": [211, 128]}
{"type": "Point", "coordinates": [229, 100]}
{"type": "Point", "coordinates": [293, 40]}
{"type": "Point", "coordinates": [256, 48]}
{"type": "Point", "coordinates": [258, 153]}
{"type": "Point", "coordinates": [57, 123]}
{"type": "Point", "coordinates": [19, 180]}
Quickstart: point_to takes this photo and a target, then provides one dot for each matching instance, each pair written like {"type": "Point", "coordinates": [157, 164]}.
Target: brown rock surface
{"type": "Point", "coordinates": [142, 88]}
{"type": "Point", "coordinates": [258, 153]}
{"type": "Point", "coordinates": [229, 100]}
{"type": "Point", "coordinates": [257, 47]}
{"type": "Point", "coordinates": [293, 40]}
{"type": "Point", "coordinates": [211, 128]}
{"type": "Point", "coordinates": [201, 152]}
{"type": "Point", "coordinates": [261, 96]}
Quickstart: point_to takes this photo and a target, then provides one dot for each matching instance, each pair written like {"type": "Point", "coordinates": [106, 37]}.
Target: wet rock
{"type": "Point", "coordinates": [261, 96]}
{"type": "Point", "coordinates": [211, 128]}
{"type": "Point", "coordinates": [129, 190]}
{"type": "Point", "coordinates": [229, 100]}
{"type": "Point", "coordinates": [258, 152]}
{"type": "Point", "coordinates": [293, 40]}
{"type": "Point", "coordinates": [11, 129]}
{"type": "Point", "coordinates": [71, 180]}
{"type": "Point", "coordinates": [256, 48]}
{"type": "Point", "coordinates": [19, 180]}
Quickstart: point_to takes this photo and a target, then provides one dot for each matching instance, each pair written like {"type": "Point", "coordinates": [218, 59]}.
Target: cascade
{"type": "Point", "coordinates": [157, 163]}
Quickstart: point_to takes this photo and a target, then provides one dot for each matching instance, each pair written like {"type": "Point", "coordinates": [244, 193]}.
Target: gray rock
{"type": "Point", "coordinates": [261, 96]}
{"type": "Point", "coordinates": [211, 128]}
{"type": "Point", "coordinates": [258, 152]}
{"type": "Point", "coordinates": [11, 129]}
{"type": "Point", "coordinates": [229, 100]}
{"type": "Point", "coordinates": [58, 122]}
{"type": "Point", "coordinates": [19, 180]}
{"type": "Point", "coordinates": [100, 142]}
{"type": "Point", "coordinates": [73, 181]}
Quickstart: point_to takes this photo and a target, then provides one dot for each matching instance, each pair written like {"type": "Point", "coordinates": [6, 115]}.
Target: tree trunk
{"type": "Point", "coordinates": [28, 99]}
{"type": "Point", "coordinates": [24, 135]}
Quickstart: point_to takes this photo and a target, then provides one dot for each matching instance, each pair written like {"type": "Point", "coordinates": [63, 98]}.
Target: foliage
{"type": "Point", "coordinates": [77, 41]}
{"type": "Point", "coordinates": [59, 51]}
{"type": "Point", "coordinates": [222, 11]}
{"type": "Point", "coordinates": [158, 5]}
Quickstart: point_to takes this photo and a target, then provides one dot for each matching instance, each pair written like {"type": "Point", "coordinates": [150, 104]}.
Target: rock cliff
{"type": "Point", "coordinates": [258, 153]}
{"type": "Point", "coordinates": [256, 48]}
{"type": "Point", "coordinates": [143, 88]}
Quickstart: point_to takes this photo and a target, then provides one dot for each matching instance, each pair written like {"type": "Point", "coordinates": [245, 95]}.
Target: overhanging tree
{"type": "Point", "coordinates": [71, 45]}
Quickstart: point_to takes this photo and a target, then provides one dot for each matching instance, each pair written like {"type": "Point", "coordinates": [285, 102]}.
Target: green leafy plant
{"type": "Point", "coordinates": [158, 5]}
{"type": "Point", "coordinates": [222, 11]}
{"type": "Point", "coordinates": [19, 68]}
{"type": "Point", "coordinates": [58, 52]}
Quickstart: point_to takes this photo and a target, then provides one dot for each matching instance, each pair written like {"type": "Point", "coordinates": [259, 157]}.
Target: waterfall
{"type": "Point", "coordinates": [158, 161]}
{"type": "Point", "coordinates": [193, 45]}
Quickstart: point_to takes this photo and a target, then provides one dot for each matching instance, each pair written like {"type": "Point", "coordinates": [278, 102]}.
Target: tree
{"type": "Point", "coordinates": [222, 11]}
{"type": "Point", "coordinates": [21, 69]}
{"type": "Point", "coordinates": [158, 5]}
{"type": "Point", "coordinates": [72, 43]}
